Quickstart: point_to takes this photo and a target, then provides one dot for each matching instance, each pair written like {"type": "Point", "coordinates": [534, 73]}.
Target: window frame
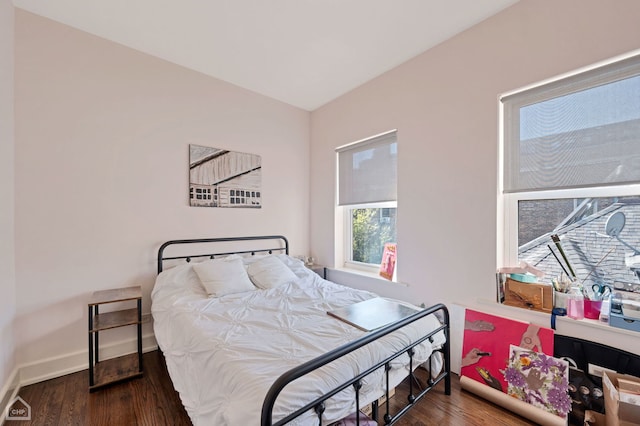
{"type": "Point", "coordinates": [509, 219]}
{"type": "Point", "coordinates": [343, 231]}
{"type": "Point", "coordinates": [507, 208]}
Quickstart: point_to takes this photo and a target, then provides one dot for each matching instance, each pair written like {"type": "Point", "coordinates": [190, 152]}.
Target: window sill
{"type": "Point", "coordinates": [561, 321]}
{"type": "Point", "coordinates": [367, 274]}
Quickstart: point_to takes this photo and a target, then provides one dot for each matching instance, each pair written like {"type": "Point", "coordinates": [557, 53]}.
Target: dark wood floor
{"type": "Point", "coordinates": [151, 400]}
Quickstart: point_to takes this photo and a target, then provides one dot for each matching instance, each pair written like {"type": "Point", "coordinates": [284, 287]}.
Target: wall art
{"type": "Point", "coordinates": [223, 178]}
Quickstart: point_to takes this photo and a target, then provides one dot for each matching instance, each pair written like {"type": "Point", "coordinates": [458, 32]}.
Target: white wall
{"type": "Point", "coordinates": [444, 104]}
{"type": "Point", "coordinates": [7, 251]}
{"type": "Point", "coordinates": [102, 135]}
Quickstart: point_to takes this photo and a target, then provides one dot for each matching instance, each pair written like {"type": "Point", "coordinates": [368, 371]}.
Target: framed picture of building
{"type": "Point", "coordinates": [223, 178]}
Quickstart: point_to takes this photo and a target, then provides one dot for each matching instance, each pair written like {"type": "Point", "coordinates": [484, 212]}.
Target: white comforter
{"type": "Point", "coordinates": [224, 353]}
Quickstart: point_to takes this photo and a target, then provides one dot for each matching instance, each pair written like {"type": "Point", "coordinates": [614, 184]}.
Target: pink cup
{"type": "Point", "coordinates": [592, 308]}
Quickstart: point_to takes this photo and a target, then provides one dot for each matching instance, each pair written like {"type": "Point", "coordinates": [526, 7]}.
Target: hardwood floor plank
{"type": "Point", "coordinates": [151, 400]}
{"type": "Point", "coordinates": [459, 408]}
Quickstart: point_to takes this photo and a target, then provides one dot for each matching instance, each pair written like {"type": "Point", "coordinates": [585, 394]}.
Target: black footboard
{"type": "Point", "coordinates": [318, 405]}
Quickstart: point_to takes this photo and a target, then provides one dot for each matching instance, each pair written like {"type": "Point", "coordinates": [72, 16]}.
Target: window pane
{"type": "Point", "coordinates": [580, 224]}
{"type": "Point", "coordinates": [371, 229]}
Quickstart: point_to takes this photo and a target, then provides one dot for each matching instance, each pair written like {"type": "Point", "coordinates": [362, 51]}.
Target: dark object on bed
{"type": "Point", "coordinates": [416, 389]}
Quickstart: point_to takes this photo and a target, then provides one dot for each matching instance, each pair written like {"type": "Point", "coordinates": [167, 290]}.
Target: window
{"type": "Point", "coordinates": [367, 173]}
{"type": "Point", "coordinates": [570, 160]}
{"type": "Point", "coordinates": [201, 195]}
{"type": "Point", "coordinates": [242, 197]}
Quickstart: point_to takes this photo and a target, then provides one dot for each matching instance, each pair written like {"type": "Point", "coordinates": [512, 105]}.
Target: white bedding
{"type": "Point", "coordinates": [223, 353]}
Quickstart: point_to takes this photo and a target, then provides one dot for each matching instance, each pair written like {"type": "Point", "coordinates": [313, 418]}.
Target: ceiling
{"type": "Point", "coordinates": [302, 52]}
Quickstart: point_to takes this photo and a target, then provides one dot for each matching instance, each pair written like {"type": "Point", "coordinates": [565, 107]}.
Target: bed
{"type": "Point", "coordinates": [266, 352]}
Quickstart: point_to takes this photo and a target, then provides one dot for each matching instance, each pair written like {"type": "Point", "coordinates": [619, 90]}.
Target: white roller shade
{"type": "Point", "coordinates": [580, 131]}
{"type": "Point", "coordinates": [367, 170]}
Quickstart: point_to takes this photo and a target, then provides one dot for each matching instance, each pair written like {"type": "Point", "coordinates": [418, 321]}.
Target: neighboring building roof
{"type": "Point", "coordinates": [586, 245]}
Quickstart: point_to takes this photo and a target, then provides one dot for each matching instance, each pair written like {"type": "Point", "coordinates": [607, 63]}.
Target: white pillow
{"type": "Point", "coordinates": [223, 276]}
{"type": "Point", "coordinates": [270, 272]}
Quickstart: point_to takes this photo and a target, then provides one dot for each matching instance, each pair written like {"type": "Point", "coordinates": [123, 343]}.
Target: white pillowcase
{"type": "Point", "coordinates": [223, 276]}
{"type": "Point", "coordinates": [270, 272]}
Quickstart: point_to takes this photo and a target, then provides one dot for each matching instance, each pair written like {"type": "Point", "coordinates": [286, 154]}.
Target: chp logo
{"type": "Point", "coordinates": [18, 409]}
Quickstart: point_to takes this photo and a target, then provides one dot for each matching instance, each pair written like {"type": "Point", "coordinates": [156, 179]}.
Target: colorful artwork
{"type": "Point", "coordinates": [539, 380]}
{"type": "Point", "coordinates": [388, 263]}
{"type": "Point", "coordinates": [486, 345]}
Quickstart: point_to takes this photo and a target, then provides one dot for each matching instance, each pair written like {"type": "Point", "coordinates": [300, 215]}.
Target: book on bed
{"type": "Point", "coordinates": [373, 313]}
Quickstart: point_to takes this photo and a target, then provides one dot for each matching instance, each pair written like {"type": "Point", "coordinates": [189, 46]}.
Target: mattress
{"type": "Point", "coordinates": [224, 353]}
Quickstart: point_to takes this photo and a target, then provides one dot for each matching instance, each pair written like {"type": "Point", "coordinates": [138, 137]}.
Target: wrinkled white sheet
{"type": "Point", "coordinates": [224, 353]}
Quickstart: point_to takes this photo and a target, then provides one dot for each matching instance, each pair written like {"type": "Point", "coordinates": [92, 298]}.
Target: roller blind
{"type": "Point", "coordinates": [580, 131]}
{"type": "Point", "coordinates": [367, 170]}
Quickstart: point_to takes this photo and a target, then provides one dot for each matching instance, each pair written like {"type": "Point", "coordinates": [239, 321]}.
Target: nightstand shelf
{"type": "Point", "coordinates": [319, 269]}
{"type": "Point", "coordinates": [102, 373]}
{"type": "Point", "coordinates": [116, 370]}
{"type": "Point", "coordinates": [115, 319]}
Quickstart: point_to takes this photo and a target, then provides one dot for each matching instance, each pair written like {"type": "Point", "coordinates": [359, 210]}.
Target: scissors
{"type": "Point", "coordinates": [600, 291]}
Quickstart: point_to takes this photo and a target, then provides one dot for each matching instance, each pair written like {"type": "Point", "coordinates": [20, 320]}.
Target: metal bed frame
{"type": "Point", "coordinates": [416, 391]}
{"type": "Point", "coordinates": [282, 247]}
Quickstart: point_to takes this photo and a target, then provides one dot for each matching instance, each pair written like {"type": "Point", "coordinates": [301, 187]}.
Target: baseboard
{"type": "Point", "coordinates": [51, 368]}
{"type": "Point", "coordinates": [9, 392]}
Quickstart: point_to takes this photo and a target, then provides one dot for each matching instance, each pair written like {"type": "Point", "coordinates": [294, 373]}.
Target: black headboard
{"type": "Point", "coordinates": [279, 240]}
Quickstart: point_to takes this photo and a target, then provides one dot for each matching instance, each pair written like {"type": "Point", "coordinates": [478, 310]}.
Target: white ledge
{"type": "Point", "coordinates": [587, 329]}
{"type": "Point", "coordinates": [367, 274]}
